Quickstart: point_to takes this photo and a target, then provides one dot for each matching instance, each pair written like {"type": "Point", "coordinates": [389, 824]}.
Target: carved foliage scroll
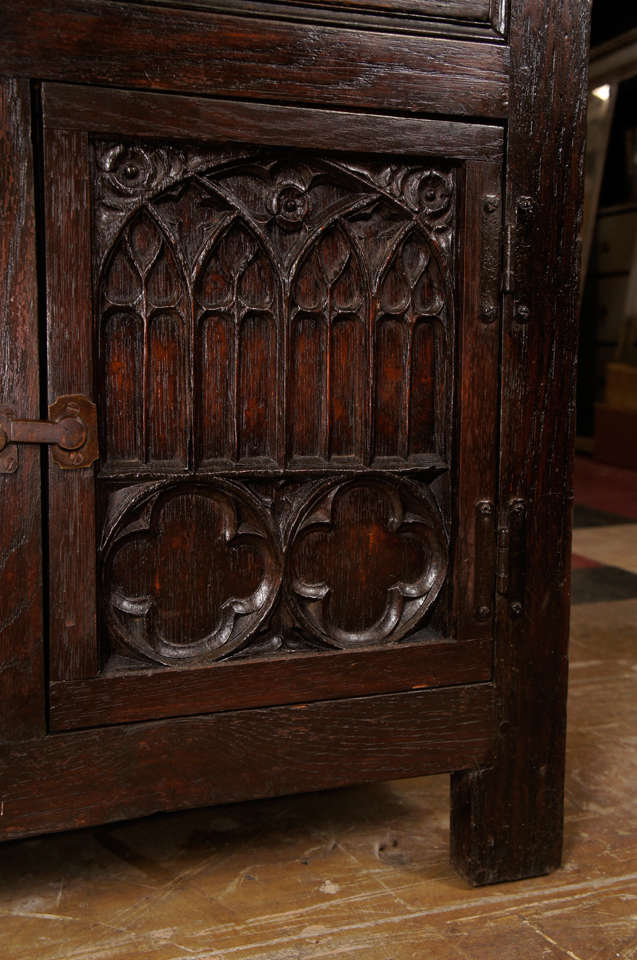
{"type": "Point", "coordinates": [271, 308]}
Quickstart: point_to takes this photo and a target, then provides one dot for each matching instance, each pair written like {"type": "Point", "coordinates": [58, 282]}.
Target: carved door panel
{"type": "Point", "coordinates": [288, 320]}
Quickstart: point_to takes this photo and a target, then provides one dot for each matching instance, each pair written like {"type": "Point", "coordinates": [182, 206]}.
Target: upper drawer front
{"type": "Point", "coordinates": [453, 17]}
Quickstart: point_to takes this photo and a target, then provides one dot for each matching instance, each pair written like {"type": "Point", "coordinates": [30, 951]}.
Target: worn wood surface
{"type": "Point", "coordinates": [477, 347]}
{"type": "Point", "coordinates": [456, 9]}
{"type": "Point", "coordinates": [131, 45]}
{"type": "Point", "coordinates": [21, 640]}
{"type": "Point", "coordinates": [507, 821]}
{"type": "Point", "coordinates": [151, 694]}
{"type": "Point", "coordinates": [69, 371]}
{"type": "Point", "coordinates": [132, 770]}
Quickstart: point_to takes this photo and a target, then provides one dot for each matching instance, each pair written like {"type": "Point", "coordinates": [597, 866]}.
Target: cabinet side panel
{"type": "Point", "coordinates": [21, 643]}
{"type": "Point", "coordinates": [507, 821]}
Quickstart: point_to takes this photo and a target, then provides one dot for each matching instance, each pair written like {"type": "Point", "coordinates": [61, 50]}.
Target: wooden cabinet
{"type": "Point", "coordinates": [293, 287]}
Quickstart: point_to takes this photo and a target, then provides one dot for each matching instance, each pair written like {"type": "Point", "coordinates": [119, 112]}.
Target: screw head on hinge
{"type": "Point", "coordinates": [488, 312]}
{"type": "Point", "coordinates": [483, 612]}
{"type": "Point", "coordinates": [491, 203]}
{"type": "Point", "coordinates": [516, 608]}
{"type": "Point", "coordinates": [525, 205]}
{"type": "Point", "coordinates": [522, 312]}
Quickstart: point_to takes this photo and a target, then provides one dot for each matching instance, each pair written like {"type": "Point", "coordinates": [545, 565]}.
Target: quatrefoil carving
{"type": "Point", "coordinates": [192, 571]}
{"type": "Point", "coordinates": [367, 561]}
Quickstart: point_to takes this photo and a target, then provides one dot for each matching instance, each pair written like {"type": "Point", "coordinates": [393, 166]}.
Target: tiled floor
{"type": "Point", "coordinates": [363, 873]}
{"type": "Point", "coordinates": [605, 534]}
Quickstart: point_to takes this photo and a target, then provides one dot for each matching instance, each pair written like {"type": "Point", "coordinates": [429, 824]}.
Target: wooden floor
{"type": "Point", "coordinates": [363, 873]}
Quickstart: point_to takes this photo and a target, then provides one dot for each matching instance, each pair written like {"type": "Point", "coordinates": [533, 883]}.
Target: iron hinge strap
{"type": "Point", "coordinates": [511, 553]}
{"type": "Point", "coordinates": [502, 560]}
{"type": "Point", "coordinates": [517, 250]}
{"type": "Point", "coordinates": [507, 267]}
{"type": "Point", "coordinates": [499, 556]}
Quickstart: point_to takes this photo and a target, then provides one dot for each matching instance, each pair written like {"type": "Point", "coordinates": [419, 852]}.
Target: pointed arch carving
{"type": "Point", "coordinates": [143, 348]}
{"type": "Point", "coordinates": [329, 306]}
{"type": "Point", "coordinates": [410, 381]}
{"type": "Point", "coordinates": [237, 306]}
{"type": "Point", "coordinates": [275, 336]}
{"type": "Point", "coordinates": [308, 319]}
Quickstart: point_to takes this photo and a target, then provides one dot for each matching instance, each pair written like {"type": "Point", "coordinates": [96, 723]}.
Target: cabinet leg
{"type": "Point", "coordinates": [507, 818]}
{"type": "Point", "coordinates": [506, 821]}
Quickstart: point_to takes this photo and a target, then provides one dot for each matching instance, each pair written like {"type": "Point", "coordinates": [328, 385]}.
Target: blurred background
{"type": "Point", "coordinates": [607, 384]}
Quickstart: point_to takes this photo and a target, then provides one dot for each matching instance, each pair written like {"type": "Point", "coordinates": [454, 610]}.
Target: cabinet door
{"type": "Point", "coordinates": [288, 320]}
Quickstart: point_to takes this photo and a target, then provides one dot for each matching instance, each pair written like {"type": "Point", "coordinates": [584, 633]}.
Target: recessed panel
{"type": "Point", "coordinates": [266, 313]}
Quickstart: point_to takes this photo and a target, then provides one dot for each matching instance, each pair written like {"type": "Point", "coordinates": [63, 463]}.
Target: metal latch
{"type": "Point", "coordinates": [71, 430]}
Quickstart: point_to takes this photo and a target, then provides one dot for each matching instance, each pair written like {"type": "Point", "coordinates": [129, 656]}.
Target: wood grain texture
{"type": "Point", "coordinates": [507, 807]}
{"type": "Point", "coordinates": [383, 848]}
{"type": "Point", "coordinates": [129, 771]}
{"type": "Point", "coordinates": [507, 820]}
{"type": "Point", "coordinates": [131, 45]}
{"type": "Point", "coordinates": [253, 274]}
{"type": "Point", "coordinates": [73, 648]}
{"type": "Point", "coordinates": [130, 697]}
{"type": "Point", "coordinates": [21, 639]}
{"type": "Point", "coordinates": [143, 114]}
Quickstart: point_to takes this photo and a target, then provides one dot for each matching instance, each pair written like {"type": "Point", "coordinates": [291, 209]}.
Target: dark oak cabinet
{"type": "Point", "coordinates": [288, 334]}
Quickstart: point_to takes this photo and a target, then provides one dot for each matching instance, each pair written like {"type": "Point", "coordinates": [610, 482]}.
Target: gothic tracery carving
{"type": "Point", "coordinates": [303, 284]}
{"type": "Point", "coordinates": [269, 311]}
